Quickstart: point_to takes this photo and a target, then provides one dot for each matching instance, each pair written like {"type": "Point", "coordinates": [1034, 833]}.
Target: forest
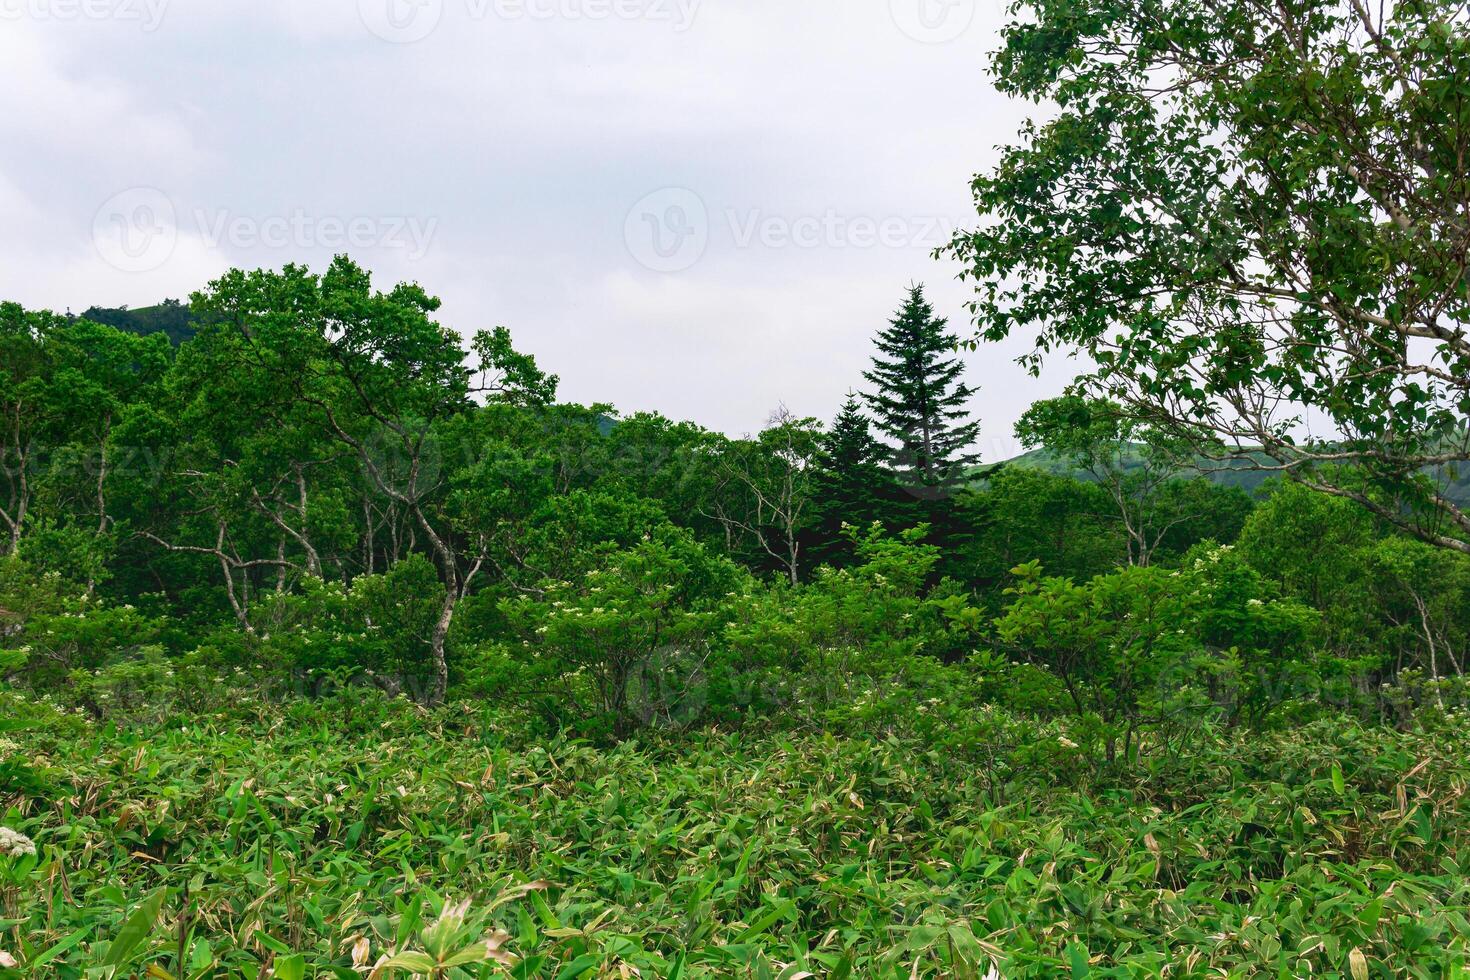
{"type": "Point", "coordinates": [335, 643]}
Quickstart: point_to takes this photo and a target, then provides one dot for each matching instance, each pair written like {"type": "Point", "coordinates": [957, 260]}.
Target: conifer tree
{"type": "Point", "coordinates": [849, 454]}
{"type": "Point", "coordinates": [851, 486]}
{"type": "Point", "coordinates": [918, 401]}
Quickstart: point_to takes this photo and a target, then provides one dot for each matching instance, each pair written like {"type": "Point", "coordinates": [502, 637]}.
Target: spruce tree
{"type": "Point", "coordinates": [850, 455]}
{"type": "Point", "coordinates": [919, 399]}
{"type": "Point", "coordinates": [850, 485]}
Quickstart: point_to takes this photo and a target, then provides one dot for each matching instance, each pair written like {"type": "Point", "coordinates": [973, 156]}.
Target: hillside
{"type": "Point", "coordinates": [1233, 473]}
{"type": "Point", "coordinates": [170, 317]}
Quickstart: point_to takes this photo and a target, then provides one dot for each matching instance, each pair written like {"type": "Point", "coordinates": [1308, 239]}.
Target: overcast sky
{"type": "Point", "coordinates": [704, 207]}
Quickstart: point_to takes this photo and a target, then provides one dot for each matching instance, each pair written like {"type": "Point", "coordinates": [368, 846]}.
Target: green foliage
{"type": "Point", "coordinates": [1391, 603]}
{"type": "Point", "coordinates": [1151, 650]}
{"type": "Point", "coordinates": [1139, 466]}
{"type": "Point", "coordinates": [57, 628]}
{"type": "Point", "coordinates": [851, 486]}
{"type": "Point", "coordinates": [229, 847]}
{"type": "Point", "coordinates": [379, 625]}
{"type": "Point", "coordinates": [331, 645]}
{"type": "Point", "coordinates": [1117, 643]}
{"type": "Point", "coordinates": [623, 644]}
{"type": "Point", "coordinates": [870, 634]}
{"type": "Point", "coordinates": [1021, 515]}
{"type": "Point", "coordinates": [171, 318]}
{"type": "Point", "coordinates": [762, 494]}
{"type": "Point", "coordinates": [1155, 223]}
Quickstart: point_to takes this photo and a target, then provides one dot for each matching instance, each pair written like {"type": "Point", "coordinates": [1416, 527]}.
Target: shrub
{"type": "Point", "coordinates": [1160, 650]}
{"type": "Point", "coordinates": [378, 628]}
{"type": "Point", "coordinates": [626, 644]}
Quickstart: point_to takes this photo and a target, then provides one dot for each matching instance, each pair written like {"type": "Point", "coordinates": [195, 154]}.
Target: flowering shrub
{"type": "Point", "coordinates": [56, 627]}
{"type": "Point", "coordinates": [851, 638]}
{"type": "Point", "coordinates": [1162, 650]}
{"type": "Point", "coordinates": [376, 630]}
{"type": "Point", "coordinates": [16, 845]}
{"type": "Point", "coordinates": [627, 644]}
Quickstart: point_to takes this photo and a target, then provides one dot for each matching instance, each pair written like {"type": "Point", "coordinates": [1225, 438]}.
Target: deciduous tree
{"type": "Point", "coordinates": [1252, 217]}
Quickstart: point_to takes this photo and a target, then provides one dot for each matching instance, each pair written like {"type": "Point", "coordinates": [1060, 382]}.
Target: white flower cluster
{"type": "Point", "coordinates": [14, 844]}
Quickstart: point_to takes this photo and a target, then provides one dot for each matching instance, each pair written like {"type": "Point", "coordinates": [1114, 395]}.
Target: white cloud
{"type": "Point", "coordinates": [55, 110]}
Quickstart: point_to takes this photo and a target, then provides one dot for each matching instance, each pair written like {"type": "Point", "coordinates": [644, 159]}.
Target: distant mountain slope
{"type": "Point", "coordinates": [171, 318]}
{"type": "Point", "coordinates": [1234, 473]}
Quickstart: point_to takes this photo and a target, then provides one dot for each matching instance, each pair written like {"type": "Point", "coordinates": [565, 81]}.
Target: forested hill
{"type": "Point", "coordinates": [170, 317]}
{"type": "Point", "coordinates": [1238, 473]}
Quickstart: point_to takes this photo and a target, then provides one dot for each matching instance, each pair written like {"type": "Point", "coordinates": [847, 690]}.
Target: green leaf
{"type": "Point", "coordinates": [290, 967]}
{"type": "Point", "coordinates": [61, 947]}
{"type": "Point", "coordinates": [416, 962]}
{"type": "Point", "coordinates": [1077, 954]}
{"type": "Point", "coordinates": [765, 922]}
{"type": "Point", "coordinates": [548, 917]}
{"type": "Point", "coordinates": [579, 966]}
{"type": "Point", "coordinates": [472, 954]}
{"type": "Point", "coordinates": [134, 931]}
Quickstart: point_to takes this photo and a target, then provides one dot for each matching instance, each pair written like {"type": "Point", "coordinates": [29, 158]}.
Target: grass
{"type": "Point", "coordinates": [331, 835]}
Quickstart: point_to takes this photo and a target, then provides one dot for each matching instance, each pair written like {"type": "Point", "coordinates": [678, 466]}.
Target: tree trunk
{"type": "Point", "coordinates": [450, 569]}
{"type": "Point", "coordinates": [440, 686]}
{"type": "Point", "coordinates": [22, 505]}
{"type": "Point", "coordinates": [313, 560]}
{"type": "Point", "coordinates": [101, 501]}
